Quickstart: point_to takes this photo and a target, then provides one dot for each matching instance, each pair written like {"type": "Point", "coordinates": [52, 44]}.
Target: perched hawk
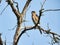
{"type": "Point", "coordinates": [35, 19]}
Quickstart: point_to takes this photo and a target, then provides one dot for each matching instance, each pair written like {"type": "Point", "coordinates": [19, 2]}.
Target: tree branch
{"type": "Point", "coordinates": [51, 10]}
{"type": "Point", "coordinates": [25, 29]}
{"type": "Point", "coordinates": [16, 12]}
{"type": "Point", "coordinates": [25, 7]}
{"type": "Point", "coordinates": [44, 31]}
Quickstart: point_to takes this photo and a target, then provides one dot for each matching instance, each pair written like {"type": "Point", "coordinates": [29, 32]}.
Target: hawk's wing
{"type": "Point", "coordinates": [35, 18]}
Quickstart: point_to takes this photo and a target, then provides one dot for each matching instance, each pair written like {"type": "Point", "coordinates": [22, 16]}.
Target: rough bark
{"type": "Point", "coordinates": [19, 17]}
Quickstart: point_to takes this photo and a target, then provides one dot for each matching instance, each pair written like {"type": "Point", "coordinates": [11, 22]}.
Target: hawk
{"type": "Point", "coordinates": [35, 19]}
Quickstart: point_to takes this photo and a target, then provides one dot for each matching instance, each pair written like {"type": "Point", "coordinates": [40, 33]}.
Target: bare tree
{"type": "Point", "coordinates": [20, 15]}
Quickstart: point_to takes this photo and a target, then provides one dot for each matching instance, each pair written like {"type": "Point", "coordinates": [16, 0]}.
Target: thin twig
{"type": "Point", "coordinates": [51, 10]}
{"type": "Point", "coordinates": [4, 9]}
{"type": "Point", "coordinates": [13, 27]}
{"type": "Point", "coordinates": [43, 4]}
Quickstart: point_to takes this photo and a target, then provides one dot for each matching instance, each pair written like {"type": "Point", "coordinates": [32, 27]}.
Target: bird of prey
{"type": "Point", "coordinates": [35, 19]}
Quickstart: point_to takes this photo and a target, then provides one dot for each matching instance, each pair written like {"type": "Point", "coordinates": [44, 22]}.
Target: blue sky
{"type": "Point", "coordinates": [8, 21]}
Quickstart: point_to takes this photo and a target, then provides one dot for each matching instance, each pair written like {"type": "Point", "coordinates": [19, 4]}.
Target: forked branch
{"type": "Point", "coordinates": [19, 17]}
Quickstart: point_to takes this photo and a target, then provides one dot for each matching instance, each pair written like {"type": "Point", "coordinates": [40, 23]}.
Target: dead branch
{"type": "Point", "coordinates": [25, 29]}
{"type": "Point", "coordinates": [25, 7]}
{"type": "Point", "coordinates": [4, 9]}
{"type": "Point", "coordinates": [51, 10]}
{"type": "Point", "coordinates": [45, 31]}
{"type": "Point", "coordinates": [55, 36]}
{"type": "Point", "coordinates": [16, 12]}
{"type": "Point", "coordinates": [48, 32]}
{"type": "Point", "coordinates": [43, 4]}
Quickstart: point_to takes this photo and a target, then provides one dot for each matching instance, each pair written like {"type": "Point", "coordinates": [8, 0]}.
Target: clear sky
{"type": "Point", "coordinates": [8, 21]}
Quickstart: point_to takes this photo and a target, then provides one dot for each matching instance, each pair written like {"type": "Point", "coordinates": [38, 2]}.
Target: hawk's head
{"type": "Point", "coordinates": [33, 12]}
